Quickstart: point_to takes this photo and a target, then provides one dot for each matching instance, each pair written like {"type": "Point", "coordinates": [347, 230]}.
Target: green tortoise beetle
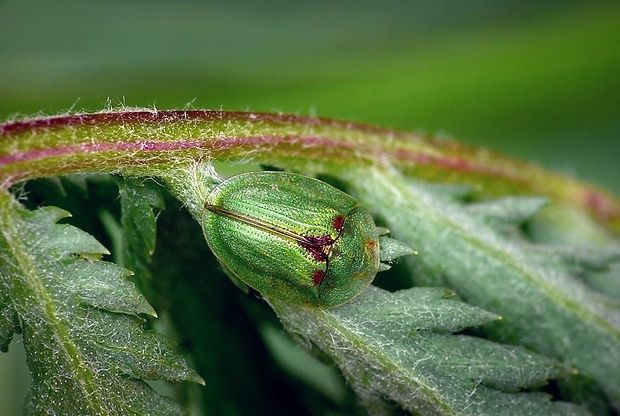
{"type": "Point", "coordinates": [292, 237]}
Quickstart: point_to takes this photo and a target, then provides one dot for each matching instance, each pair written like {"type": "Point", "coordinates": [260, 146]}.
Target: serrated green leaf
{"type": "Point", "coordinates": [597, 266]}
{"type": "Point", "coordinates": [77, 348]}
{"type": "Point", "coordinates": [138, 221]}
{"type": "Point", "coordinates": [544, 306]}
{"type": "Point", "coordinates": [420, 309]}
{"type": "Point", "coordinates": [125, 396]}
{"type": "Point", "coordinates": [388, 362]}
{"type": "Point", "coordinates": [55, 239]}
{"type": "Point", "coordinates": [110, 290]}
{"type": "Point", "coordinates": [392, 249]}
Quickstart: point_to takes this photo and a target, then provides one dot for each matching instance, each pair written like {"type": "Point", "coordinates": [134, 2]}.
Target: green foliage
{"type": "Point", "coordinates": [79, 317]}
{"type": "Point", "coordinates": [508, 313]}
{"type": "Point", "coordinates": [138, 198]}
{"type": "Point", "coordinates": [397, 351]}
{"type": "Point", "coordinates": [537, 80]}
{"type": "Point", "coordinates": [479, 251]}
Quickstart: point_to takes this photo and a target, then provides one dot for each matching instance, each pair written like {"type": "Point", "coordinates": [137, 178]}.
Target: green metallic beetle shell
{"type": "Point", "coordinates": [292, 237]}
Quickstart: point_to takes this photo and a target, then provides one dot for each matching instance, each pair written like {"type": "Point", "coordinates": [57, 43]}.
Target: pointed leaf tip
{"type": "Point", "coordinates": [391, 249]}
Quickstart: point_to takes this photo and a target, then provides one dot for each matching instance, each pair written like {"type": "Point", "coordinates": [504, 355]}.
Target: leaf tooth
{"type": "Point", "coordinates": [586, 258]}
{"type": "Point", "coordinates": [64, 239]}
{"type": "Point", "coordinates": [599, 258]}
{"type": "Point", "coordinates": [509, 210]}
{"type": "Point", "coordinates": [452, 192]}
{"type": "Point", "coordinates": [391, 249]}
{"type": "Point", "coordinates": [420, 308]}
{"type": "Point", "coordinates": [105, 285]}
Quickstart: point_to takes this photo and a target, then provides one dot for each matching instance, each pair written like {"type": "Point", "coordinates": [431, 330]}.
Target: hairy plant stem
{"type": "Point", "coordinates": [148, 142]}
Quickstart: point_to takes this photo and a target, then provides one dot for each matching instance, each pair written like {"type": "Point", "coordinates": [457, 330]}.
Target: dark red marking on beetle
{"type": "Point", "coordinates": [324, 240]}
{"type": "Point", "coordinates": [318, 277]}
{"type": "Point", "coordinates": [338, 223]}
{"type": "Point", "coordinates": [318, 247]}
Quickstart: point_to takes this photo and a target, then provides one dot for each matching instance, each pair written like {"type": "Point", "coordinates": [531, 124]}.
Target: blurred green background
{"type": "Point", "coordinates": [536, 80]}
